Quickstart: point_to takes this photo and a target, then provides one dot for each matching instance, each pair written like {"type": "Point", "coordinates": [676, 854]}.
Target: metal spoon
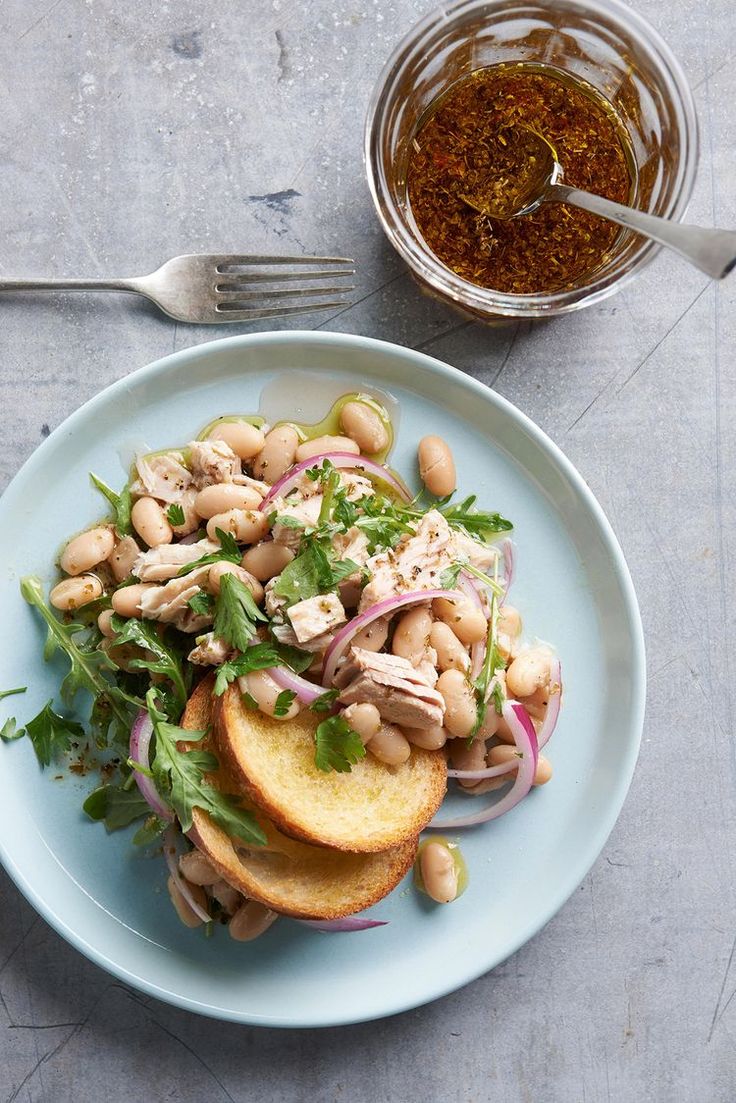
{"type": "Point", "coordinates": [713, 251]}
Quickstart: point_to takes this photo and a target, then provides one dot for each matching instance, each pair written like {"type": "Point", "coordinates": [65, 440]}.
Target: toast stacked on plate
{"type": "Point", "coordinates": [336, 842]}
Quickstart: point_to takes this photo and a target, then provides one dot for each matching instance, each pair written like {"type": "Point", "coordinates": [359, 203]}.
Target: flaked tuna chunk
{"type": "Point", "coordinates": [164, 562]}
{"type": "Point", "coordinates": [213, 461]}
{"type": "Point", "coordinates": [480, 555]}
{"type": "Point", "coordinates": [315, 616]}
{"type": "Point", "coordinates": [303, 511]}
{"type": "Point", "coordinates": [416, 562]}
{"type": "Point", "coordinates": [210, 650]}
{"type": "Point", "coordinates": [284, 633]}
{"type": "Point", "coordinates": [163, 477]}
{"type": "Point", "coordinates": [401, 693]}
{"type": "Point", "coordinates": [169, 603]}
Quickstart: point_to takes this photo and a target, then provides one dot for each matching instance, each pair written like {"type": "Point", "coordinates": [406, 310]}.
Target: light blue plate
{"type": "Point", "coordinates": [572, 586]}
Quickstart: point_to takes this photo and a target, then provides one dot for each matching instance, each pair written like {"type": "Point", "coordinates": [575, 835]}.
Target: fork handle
{"type": "Point", "coordinates": [71, 285]}
{"type": "Point", "coordinates": [712, 251]}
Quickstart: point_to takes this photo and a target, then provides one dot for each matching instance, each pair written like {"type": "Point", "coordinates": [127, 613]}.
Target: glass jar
{"type": "Point", "coordinates": [602, 42]}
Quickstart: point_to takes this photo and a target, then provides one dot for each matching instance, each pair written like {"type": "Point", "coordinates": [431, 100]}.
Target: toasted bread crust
{"type": "Point", "coordinates": [291, 877]}
{"type": "Point", "coordinates": [370, 809]}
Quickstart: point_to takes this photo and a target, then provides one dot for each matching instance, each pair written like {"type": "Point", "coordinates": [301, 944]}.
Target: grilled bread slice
{"type": "Point", "coordinates": [369, 809]}
{"type": "Point", "coordinates": [306, 882]}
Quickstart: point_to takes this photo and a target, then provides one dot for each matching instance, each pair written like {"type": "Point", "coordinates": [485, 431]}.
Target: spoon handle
{"type": "Point", "coordinates": [713, 251]}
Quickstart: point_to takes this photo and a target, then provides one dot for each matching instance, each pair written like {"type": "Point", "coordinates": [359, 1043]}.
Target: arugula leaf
{"type": "Point", "coordinates": [51, 734]}
{"type": "Point", "coordinates": [474, 521]}
{"type": "Point", "coordinates": [175, 514]}
{"type": "Point", "coordinates": [228, 551]}
{"type": "Point", "coordinates": [325, 701]}
{"type": "Point", "coordinates": [121, 503]}
{"type": "Point", "coordinates": [87, 663]}
{"type": "Point", "coordinates": [384, 521]}
{"type": "Point", "coordinates": [10, 730]}
{"type": "Point", "coordinates": [236, 613]}
{"type": "Point", "coordinates": [202, 603]}
{"type": "Point", "coordinates": [116, 806]}
{"type": "Point", "coordinates": [180, 775]}
{"type": "Point", "coordinates": [338, 747]}
{"type": "Point", "coordinates": [283, 703]}
{"type": "Point", "coordinates": [166, 661]}
{"type": "Point", "coordinates": [12, 692]}
{"type": "Point", "coordinates": [261, 656]}
{"type": "Point", "coordinates": [149, 831]}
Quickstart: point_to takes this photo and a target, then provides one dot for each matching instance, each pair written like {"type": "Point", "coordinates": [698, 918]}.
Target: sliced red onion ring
{"type": "Point", "coordinates": [306, 692]}
{"type": "Point", "coordinates": [343, 460]}
{"type": "Point", "coordinates": [507, 549]}
{"type": "Point", "coordinates": [553, 705]}
{"type": "Point", "coordinates": [341, 642]}
{"type": "Point", "coordinates": [140, 741]}
{"type": "Point", "coordinates": [349, 923]}
{"type": "Point", "coordinates": [171, 853]}
{"type": "Point", "coordinates": [525, 737]}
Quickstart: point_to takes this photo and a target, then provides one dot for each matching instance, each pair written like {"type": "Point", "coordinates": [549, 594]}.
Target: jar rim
{"type": "Point", "coordinates": [487, 301]}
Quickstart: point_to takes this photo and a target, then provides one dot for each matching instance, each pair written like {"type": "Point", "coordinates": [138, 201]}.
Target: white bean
{"type": "Point", "coordinates": [126, 601]}
{"type": "Point", "coordinates": [104, 625]}
{"type": "Point", "coordinates": [464, 618]}
{"type": "Point", "coordinates": [362, 424]}
{"type": "Point", "coordinates": [124, 555]}
{"type": "Point", "coordinates": [464, 757]}
{"type": "Point", "coordinates": [217, 570]}
{"type": "Point", "coordinates": [438, 872]}
{"type": "Point", "coordinates": [528, 672]}
{"type": "Point", "coordinates": [373, 636]}
{"type": "Point", "coordinates": [430, 739]}
{"type": "Point", "coordinates": [498, 755]}
{"type": "Point", "coordinates": [509, 621]}
{"type": "Point", "coordinates": [245, 439]}
{"type": "Point", "coordinates": [87, 550]}
{"type": "Point", "coordinates": [460, 709]}
{"type": "Point", "coordinates": [251, 920]}
{"type": "Point", "coordinates": [265, 693]}
{"type": "Point", "coordinates": [411, 634]}
{"type": "Point", "coordinates": [197, 869]}
{"type": "Point", "coordinates": [319, 445]}
{"type": "Point", "coordinates": [188, 917]}
{"type": "Point", "coordinates": [73, 593]}
{"type": "Point", "coordinates": [266, 560]}
{"type": "Point", "coordinates": [149, 521]}
{"type": "Point", "coordinates": [390, 745]}
{"type": "Point", "coordinates": [277, 454]}
{"type": "Point", "coordinates": [364, 718]}
{"type": "Point", "coordinates": [451, 655]}
{"type": "Point", "coordinates": [221, 497]}
{"type": "Point", "coordinates": [436, 466]}
{"type": "Point", "coordinates": [248, 526]}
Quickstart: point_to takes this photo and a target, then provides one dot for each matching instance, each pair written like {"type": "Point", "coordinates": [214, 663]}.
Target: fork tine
{"type": "Point", "coordinates": [223, 263]}
{"type": "Point", "coordinates": [232, 314]}
{"type": "Point", "coordinates": [242, 279]}
{"type": "Point", "coordinates": [283, 293]}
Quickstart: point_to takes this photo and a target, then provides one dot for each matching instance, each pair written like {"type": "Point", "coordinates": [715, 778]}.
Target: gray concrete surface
{"type": "Point", "coordinates": [130, 132]}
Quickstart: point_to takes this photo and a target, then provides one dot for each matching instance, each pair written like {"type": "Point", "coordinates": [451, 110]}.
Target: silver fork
{"type": "Point", "coordinates": [217, 287]}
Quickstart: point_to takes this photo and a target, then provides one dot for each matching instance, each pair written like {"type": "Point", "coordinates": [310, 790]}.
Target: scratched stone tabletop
{"type": "Point", "coordinates": [130, 132]}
